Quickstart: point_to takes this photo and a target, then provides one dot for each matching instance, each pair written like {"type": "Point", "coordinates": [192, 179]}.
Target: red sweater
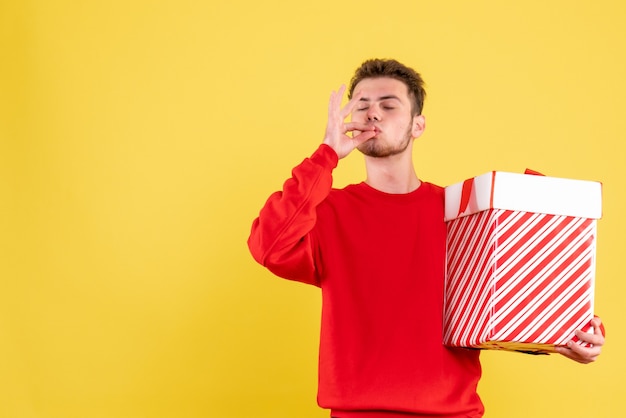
{"type": "Point", "coordinates": [379, 260]}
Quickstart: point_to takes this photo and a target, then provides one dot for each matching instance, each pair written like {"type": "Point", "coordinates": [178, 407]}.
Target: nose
{"type": "Point", "coordinates": [373, 114]}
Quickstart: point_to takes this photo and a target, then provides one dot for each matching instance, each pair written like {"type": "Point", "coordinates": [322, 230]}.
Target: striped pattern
{"type": "Point", "coordinates": [518, 277]}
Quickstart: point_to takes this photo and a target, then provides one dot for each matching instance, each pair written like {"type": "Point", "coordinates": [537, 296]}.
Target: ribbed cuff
{"type": "Point", "coordinates": [325, 156]}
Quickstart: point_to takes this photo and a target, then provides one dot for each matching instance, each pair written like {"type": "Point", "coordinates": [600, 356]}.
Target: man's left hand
{"type": "Point", "coordinates": [591, 350]}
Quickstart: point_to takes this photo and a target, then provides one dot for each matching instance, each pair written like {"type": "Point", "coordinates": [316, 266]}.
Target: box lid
{"type": "Point", "coordinates": [523, 192]}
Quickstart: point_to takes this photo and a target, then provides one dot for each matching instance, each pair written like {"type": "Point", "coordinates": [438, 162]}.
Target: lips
{"type": "Point", "coordinates": [377, 130]}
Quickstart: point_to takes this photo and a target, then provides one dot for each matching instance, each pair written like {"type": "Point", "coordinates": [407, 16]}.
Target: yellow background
{"type": "Point", "coordinates": [139, 139]}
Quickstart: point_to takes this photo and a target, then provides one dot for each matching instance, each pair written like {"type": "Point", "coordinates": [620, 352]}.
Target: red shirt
{"type": "Point", "coordinates": [379, 260]}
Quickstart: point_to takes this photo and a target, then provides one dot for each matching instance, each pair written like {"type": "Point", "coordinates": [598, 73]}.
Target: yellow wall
{"type": "Point", "coordinates": [138, 140]}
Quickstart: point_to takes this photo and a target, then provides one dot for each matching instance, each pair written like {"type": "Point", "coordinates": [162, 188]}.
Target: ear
{"type": "Point", "coordinates": [418, 126]}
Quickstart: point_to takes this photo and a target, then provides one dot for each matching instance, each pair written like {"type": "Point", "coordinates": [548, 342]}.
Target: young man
{"type": "Point", "coordinates": [377, 251]}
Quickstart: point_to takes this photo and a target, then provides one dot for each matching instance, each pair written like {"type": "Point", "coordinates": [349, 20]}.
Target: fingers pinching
{"type": "Point", "coordinates": [340, 135]}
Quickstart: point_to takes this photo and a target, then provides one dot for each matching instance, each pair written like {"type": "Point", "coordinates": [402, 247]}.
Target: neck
{"type": "Point", "coordinates": [394, 174]}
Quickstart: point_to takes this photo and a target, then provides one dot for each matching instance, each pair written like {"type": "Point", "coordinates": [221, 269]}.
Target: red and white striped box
{"type": "Point", "coordinates": [520, 261]}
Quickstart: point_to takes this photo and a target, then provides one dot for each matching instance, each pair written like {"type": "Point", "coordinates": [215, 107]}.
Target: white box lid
{"type": "Point", "coordinates": [524, 192]}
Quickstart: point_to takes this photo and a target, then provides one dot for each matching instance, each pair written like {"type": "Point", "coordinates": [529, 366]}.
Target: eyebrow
{"type": "Point", "coordinates": [388, 97]}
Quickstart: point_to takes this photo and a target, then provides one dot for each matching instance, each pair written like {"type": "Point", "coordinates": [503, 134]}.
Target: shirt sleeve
{"type": "Point", "coordinates": [281, 237]}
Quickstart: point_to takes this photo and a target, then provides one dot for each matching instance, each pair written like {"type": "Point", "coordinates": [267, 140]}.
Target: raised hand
{"type": "Point", "coordinates": [337, 129]}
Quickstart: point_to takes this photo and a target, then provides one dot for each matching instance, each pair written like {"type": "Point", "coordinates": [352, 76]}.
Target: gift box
{"type": "Point", "coordinates": [520, 261]}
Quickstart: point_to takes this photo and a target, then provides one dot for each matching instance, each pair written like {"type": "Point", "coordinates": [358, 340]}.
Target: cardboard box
{"type": "Point", "coordinates": [520, 261]}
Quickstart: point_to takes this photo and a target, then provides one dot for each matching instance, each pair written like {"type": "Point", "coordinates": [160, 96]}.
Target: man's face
{"type": "Point", "coordinates": [385, 104]}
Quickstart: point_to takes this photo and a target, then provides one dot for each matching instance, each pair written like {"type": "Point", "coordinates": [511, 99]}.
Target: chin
{"type": "Point", "coordinates": [373, 149]}
{"type": "Point", "coordinates": [375, 152]}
